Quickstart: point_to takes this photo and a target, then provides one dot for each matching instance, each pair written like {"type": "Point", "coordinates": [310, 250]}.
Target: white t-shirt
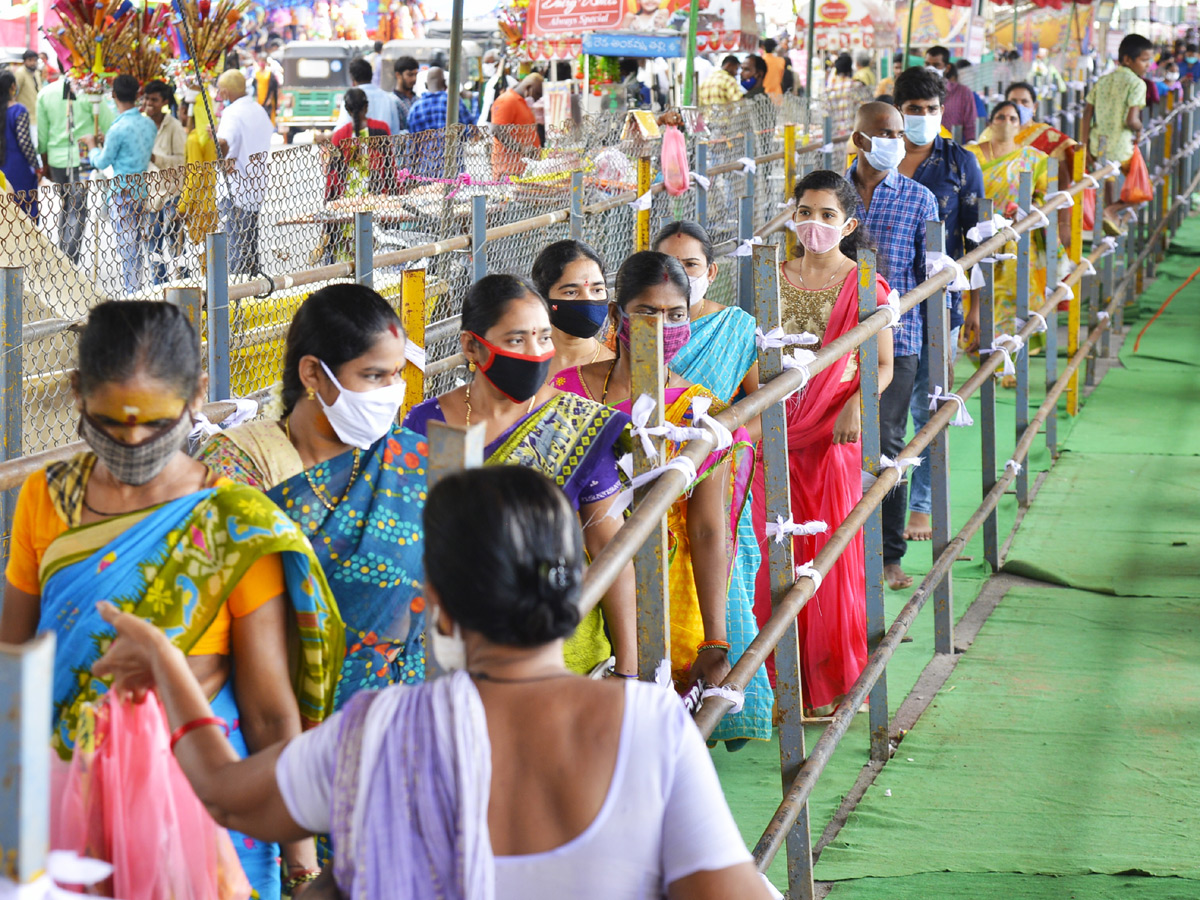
{"type": "Point", "coordinates": [664, 816]}
{"type": "Point", "coordinates": [247, 128]}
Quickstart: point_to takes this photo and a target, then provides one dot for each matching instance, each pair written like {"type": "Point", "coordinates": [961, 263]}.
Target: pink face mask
{"type": "Point", "coordinates": [818, 237]}
{"type": "Point", "coordinates": [675, 336]}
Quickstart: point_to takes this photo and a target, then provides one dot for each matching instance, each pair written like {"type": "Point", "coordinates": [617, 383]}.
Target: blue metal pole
{"type": "Point", "coordinates": [937, 339]}
{"type": "Point", "coordinates": [479, 266]}
{"type": "Point", "coordinates": [364, 249]}
{"type": "Point", "coordinates": [1024, 273]}
{"type": "Point", "coordinates": [216, 277]}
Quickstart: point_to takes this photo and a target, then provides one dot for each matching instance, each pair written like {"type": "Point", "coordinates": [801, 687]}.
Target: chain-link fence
{"type": "Point", "coordinates": [289, 217]}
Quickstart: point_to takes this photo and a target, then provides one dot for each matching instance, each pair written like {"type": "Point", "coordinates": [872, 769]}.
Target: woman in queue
{"type": "Point", "coordinates": [1003, 160]}
{"type": "Point", "coordinates": [722, 356]}
{"type": "Point", "coordinates": [183, 552]}
{"type": "Point", "coordinates": [429, 790]}
{"type": "Point", "coordinates": [819, 294]}
{"type": "Point", "coordinates": [506, 338]}
{"type": "Point", "coordinates": [570, 276]}
{"type": "Point", "coordinates": [654, 284]}
{"type": "Point", "coordinates": [350, 477]}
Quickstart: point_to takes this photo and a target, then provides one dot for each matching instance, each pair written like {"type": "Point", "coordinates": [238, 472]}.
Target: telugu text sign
{"type": "Point", "coordinates": [554, 17]}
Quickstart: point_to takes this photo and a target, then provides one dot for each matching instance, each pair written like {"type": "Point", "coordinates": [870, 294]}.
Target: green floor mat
{"type": "Point", "coordinates": [1117, 524]}
{"type": "Point", "coordinates": [960, 886]}
{"type": "Point", "coordinates": [1063, 744]}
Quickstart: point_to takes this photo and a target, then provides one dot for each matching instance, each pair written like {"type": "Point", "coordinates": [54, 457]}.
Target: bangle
{"type": "Point", "coordinates": [178, 734]}
{"type": "Point", "coordinates": [724, 646]}
{"type": "Point", "coordinates": [306, 876]}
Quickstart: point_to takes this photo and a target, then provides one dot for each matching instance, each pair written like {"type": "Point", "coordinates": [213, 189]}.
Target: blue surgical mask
{"type": "Point", "coordinates": [921, 130]}
{"type": "Point", "coordinates": [748, 83]}
{"type": "Point", "coordinates": [1192, 60]}
{"type": "Point", "coordinates": [1025, 114]}
{"type": "Point", "coordinates": [885, 153]}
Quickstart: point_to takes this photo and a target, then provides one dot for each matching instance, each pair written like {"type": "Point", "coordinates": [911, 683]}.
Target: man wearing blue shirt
{"type": "Point", "coordinates": [1189, 68]}
{"type": "Point", "coordinates": [954, 177]}
{"type": "Point", "coordinates": [428, 113]}
{"type": "Point", "coordinates": [381, 105]}
{"type": "Point", "coordinates": [894, 209]}
{"type": "Point", "coordinates": [127, 147]}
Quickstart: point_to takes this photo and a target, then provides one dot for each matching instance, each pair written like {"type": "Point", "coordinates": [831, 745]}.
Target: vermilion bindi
{"type": "Point", "coordinates": [395, 331]}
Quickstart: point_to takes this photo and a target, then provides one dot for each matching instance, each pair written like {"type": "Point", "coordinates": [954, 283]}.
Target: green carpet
{"type": "Point", "coordinates": [962, 886]}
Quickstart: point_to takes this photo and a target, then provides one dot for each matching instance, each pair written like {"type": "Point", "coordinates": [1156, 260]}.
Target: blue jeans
{"type": "Point", "coordinates": [920, 490]}
{"type": "Point", "coordinates": [127, 215]}
{"type": "Point", "coordinates": [164, 229]}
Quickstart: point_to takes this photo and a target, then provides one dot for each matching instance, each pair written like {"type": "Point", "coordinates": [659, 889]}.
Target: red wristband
{"type": "Point", "coordinates": [187, 727]}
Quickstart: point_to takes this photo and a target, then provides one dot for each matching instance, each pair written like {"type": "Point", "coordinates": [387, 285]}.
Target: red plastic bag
{"type": "Point", "coordinates": [127, 802]}
{"type": "Point", "coordinates": [1137, 187]}
{"type": "Point", "coordinates": [1088, 203]}
{"type": "Point", "coordinates": [674, 161]}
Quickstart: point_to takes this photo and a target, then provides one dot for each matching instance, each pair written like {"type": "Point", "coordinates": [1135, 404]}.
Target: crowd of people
{"type": "Point", "coordinates": [281, 588]}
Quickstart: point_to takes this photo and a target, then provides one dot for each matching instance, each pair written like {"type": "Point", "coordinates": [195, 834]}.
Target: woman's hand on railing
{"type": "Point", "coordinates": [711, 666]}
{"type": "Point", "coordinates": [848, 426]}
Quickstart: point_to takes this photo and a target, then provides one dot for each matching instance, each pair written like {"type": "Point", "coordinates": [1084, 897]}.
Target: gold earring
{"type": "Point", "coordinates": [470, 366]}
{"type": "Point", "coordinates": [312, 394]}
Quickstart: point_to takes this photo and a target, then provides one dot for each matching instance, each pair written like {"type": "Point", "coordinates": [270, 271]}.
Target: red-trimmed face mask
{"type": "Point", "coordinates": [515, 375]}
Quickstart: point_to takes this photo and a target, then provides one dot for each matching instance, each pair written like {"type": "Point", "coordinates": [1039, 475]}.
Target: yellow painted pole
{"type": "Point", "coordinates": [1076, 253]}
{"type": "Point", "coordinates": [642, 235]}
{"type": "Point", "coordinates": [1168, 191]}
{"type": "Point", "coordinates": [789, 178]}
{"type": "Point", "coordinates": [412, 316]}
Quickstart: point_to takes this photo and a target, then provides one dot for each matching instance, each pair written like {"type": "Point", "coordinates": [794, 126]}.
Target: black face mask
{"type": "Point", "coordinates": [579, 318]}
{"type": "Point", "coordinates": [517, 376]}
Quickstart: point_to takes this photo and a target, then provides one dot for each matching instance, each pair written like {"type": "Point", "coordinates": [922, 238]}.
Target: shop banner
{"type": "Point", "coordinates": [559, 17]}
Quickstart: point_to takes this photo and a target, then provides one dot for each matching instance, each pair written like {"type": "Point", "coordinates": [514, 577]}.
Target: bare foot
{"type": "Point", "coordinates": [920, 527]}
{"type": "Point", "coordinates": [895, 577]}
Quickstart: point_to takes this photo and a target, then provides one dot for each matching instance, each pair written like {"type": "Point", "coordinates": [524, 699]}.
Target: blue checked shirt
{"type": "Point", "coordinates": [127, 145]}
{"type": "Point", "coordinates": [954, 176]}
{"type": "Point", "coordinates": [896, 224]}
{"type": "Point", "coordinates": [429, 112]}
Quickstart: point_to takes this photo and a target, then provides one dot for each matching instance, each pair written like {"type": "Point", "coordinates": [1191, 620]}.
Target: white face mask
{"type": "Point", "coordinates": [449, 651]}
{"type": "Point", "coordinates": [360, 418]}
{"type": "Point", "coordinates": [699, 289]}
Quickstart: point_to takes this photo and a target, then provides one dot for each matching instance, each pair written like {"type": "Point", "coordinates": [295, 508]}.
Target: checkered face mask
{"type": "Point", "coordinates": [136, 463]}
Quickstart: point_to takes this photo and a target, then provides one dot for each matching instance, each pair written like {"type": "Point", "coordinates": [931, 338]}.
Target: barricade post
{"type": "Point", "coordinates": [701, 192]}
{"type": "Point", "coordinates": [789, 179]}
{"type": "Point", "coordinates": [479, 267]}
{"type": "Point", "coordinates": [745, 293]}
{"type": "Point", "coordinates": [1106, 281]}
{"type": "Point", "coordinates": [781, 559]}
{"type": "Point", "coordinates": [650, 563]}
{"type": "Point", "coordinates": [868, 375]}
{"type": "Point", "coordinates": [987, 396]}
{"type": "Point", "coordinates": [1051, 333]}
{"type": "Point", "coordinates": [1075, 253]}
{"type": "Point", "coordinates": [364, 248]}
{"type": "Point", "coordinates": [577, 205]}
{"type": "Point", "coordinates": [1021, 359]}
{"type": "Point", "coordinates": [937, 340]}
{"type": "Point", "coordinates": [190, 300]}
{"type": "Point", "coordinates": [642, 231]}
{"type": "Point", "coordinates": [412, 317]}
{"type": "Point", "coordinates": [216, 283]}
{"type": "Point", "coordinates": [827, 143]}
{"type": "Point", "coordinates": [12, 389]}
{"type": "Point", "coordinates": [26, 680]}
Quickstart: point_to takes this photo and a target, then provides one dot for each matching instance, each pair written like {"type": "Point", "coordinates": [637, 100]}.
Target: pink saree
{"type": "Point", "coordinates": [826, 483]}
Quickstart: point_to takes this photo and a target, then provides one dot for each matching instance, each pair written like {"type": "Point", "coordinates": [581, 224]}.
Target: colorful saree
{"type": "Point", "coordinates": [369, 545]}
{"type": "Point", "coordinates": [576, 442]}
{"type": "Point", "coordinates": [719, 355]}
{"type": "Point", "coordinates": [174, 565]}
{"type": "Point", "coordinates": [1001, 182]}
{"type": "Point", "coordinates": [826, 483]}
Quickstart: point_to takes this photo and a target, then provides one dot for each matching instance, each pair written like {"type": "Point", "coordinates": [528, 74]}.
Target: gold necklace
{"type": "Point", "coordinates": [328, 504]}
{"type": "Point", "coordinates": [608, 377]}
{"type": "Point", "coordinates": [532, 400]}
{"type": "Point", "coordinates": [827, 283]}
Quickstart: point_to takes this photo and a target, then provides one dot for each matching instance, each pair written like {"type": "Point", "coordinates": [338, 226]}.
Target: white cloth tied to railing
{"type": "Point", "coordinates": [893, 308]}
{"type": "Point", "coordinates": [1035, 211]}
{"type": "Point", "coordinates": [1013, 465]}
{"type": "Point", "coordinates": [988, 229]}
{"type": "Point", "coordinates": [799, 359]}
{"type": "Point", "coordinates": [1064, 286]}
{"type": "Point", "coordinates": [1109, 244]}
{"type": "Point", "coordinates": [808, 570]}
{"type": "Point", "coordinates": [746, 247]}
{"type": "Point", "coordinates": [722, 436]}
{"type": "Point", "coordinates": [886, 462]}
{"type": "Point", "coordinates": [1033, 316]}
{"type": "Point", "coordinates": [1088, 268]}
{"type": "Point", "coordinates": [936, 262]}
{"type": "Point", "coordinates": [1102, 316]}
{"type": "Point", "coordinates": [415, 354]}
{"type": "Point", "coordinates": [642, 203]}
{"type": "Point", "coordinates": [643, 408]}
{"type": "Point", "coordinates": [962, 418]}
{"type": "Point", "coordinates": [622, 500]}
{"type": "Point", "coordinates": [62, 867]}
{"type": "Point", "coordinates": [202, 428]}
{"type": "Point", "coordinates": [1009, 345]}
{"type": "Point", "coordinates": [749, 166]}
{"type": "Point", "coordinates": [1070, 200]}
{"type": "Point", "coordinates": [702, 181]}
{"type": "Point", "coordinates": [782, 528]}
{"type": "Point", "coordinates": [732, 694]}
{"type": "Point", "coordinates": [977, 279]}
{"type": "Point", "coordinates": [777, 338]}
{"type": "Point", "coordinates": [1091, 179]}
{"type": "Point", "coordinates": [827, 148]}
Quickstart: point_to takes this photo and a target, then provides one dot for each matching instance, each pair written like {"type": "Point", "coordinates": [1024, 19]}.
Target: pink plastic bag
{"type": "Point", "coordinates": [674, 161]}
{"type": "Point", "coordinates": [126, 801]}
